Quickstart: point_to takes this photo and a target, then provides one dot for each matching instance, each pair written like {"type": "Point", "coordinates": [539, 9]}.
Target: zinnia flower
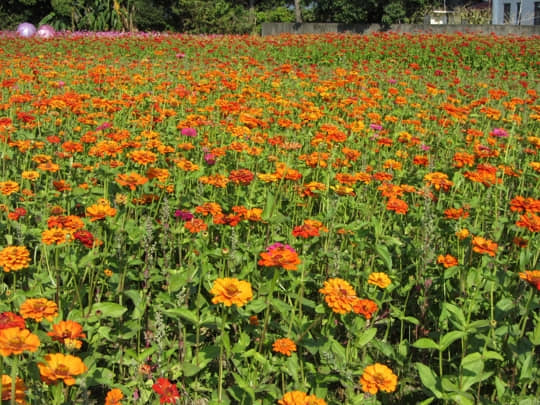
{"type": "Point", "coordinates": [167, 391]}
{"type": "Point", "coordinates": [532, 277]}
{"type": "Point", "coordinates": [484, 246]}
{"type": "Point", "coordinates": [17, 340]}
{"type": "Point", "coordinates": [114, 397]}
{"type": "Point", "coordinates": [279, 255]}
{"type": "Point", "coordinates": [379, 279]}
{"type": "Point", "coordinates": [8, 187]}
{"type": "Point", "coordinates": [58, 366]}
{"type": "Point", "coordinates": [339, 295]}
{"type": "Point", "coordinates": [300, 398]}
{"type": "Point", "coordinates": [364, 307]}
{"type": "Point", "coordinates": [20, 389]}
{"type": "Point", "coordinates": [447, 261]}
{"type": "Point", "coordinates": [11, 320]}
{"type": "Point", "coordinates": [13, 258]}
{"type": "Point", "coordinates": [101, 210]}
{"type": "Point", "coordinates": [68, 333]}
{"type": "Point", "coordinates": [378, 377]}
{"type": "Point", "coordinates": [284, 346]}
{"type": "Point", "coordinates": [230, 291]}
{"type": "Point", "coordinates": [38, 309]}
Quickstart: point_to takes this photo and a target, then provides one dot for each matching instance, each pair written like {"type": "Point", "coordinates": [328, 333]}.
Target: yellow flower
{"type": "Point", "coordinates": [13, 258]}
{"type": "Point", "coordinates": [379, 279]}
{"type": "Point", "coordinates": [61, 367]}
{"type": "Point", "coordinates": [378, 377]}
{"type": "Point", "coordinates": [20, 389]}
{"type": "Point", "coordinates": [339, 295]}
{"type": "Point", "coordinates": [16, 340]}
{"type": "Point", "coordinates": [230, 291]}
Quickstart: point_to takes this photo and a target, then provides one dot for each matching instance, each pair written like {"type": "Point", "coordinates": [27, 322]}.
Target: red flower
{"type": "Point", "coordinates": [85, 237]}
{"type": "Point", "coordinates": [11, 320]}
{"type": "Point", "coordinates": [167, 391]}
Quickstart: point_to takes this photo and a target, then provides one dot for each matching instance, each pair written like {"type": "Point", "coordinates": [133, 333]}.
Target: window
{"type": "Point", "coordinates": [518, 13]}
{"type": "Point", "coordinates": [537, 13]}
{"type": "Point", "coordinates": [506, 13]}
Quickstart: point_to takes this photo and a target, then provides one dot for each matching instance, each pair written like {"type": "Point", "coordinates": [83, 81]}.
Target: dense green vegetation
{"type": "Point", "coordinates": [203, 16]}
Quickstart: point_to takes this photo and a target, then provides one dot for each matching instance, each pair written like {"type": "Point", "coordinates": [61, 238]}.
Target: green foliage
{"type": "Point", "coordinates": [216, 17]}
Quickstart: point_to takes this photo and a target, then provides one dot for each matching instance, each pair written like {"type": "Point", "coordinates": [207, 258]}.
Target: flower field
{"type": "Point", "coordinates": [293, 220]}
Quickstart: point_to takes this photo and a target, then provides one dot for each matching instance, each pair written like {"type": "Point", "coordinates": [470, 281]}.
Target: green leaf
{"type": "Point", "coordinates": [456, 315]}
{"type": "Point", "coordinates": [450, 337]}
{"type": "Point", "coordinates": [534, 336]}
{"type": "Point", "coordinates": [242, 343]}
{"type": "Point", "coordinates": [366, 337]}
{"type": "Point", "coordinates": [243, 384]}
{"type": "Point", "coordinates": [472, 370]}
{"type": "Point", "coordinates": [269, 207]}
{"type": "Point", "coordinates": [384, 254]}
{"type": "Point", "coordinates": [108, 310]}
{"type": "Point", "coordinates": [500, 386]}
{"type": "Point", "coordinates": [429, 379]}
{"type": "Point", "coordinates": [526, 369]}
{"type": "Point", "coordinates": [184, 313]}
{"type": "Point", "coordinates": [491, 355]}
{"type": "Point", "coordinates": [425, 343]}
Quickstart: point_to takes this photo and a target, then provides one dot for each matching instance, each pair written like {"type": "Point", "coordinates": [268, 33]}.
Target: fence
{"type": "Point", "coordinates": [320, 28]}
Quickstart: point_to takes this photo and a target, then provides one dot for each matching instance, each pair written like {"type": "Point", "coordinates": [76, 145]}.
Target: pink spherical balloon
{"type": "Point", "coordinates": [45, 32]}
{"type": "Point", "coordinates": [26, 30]}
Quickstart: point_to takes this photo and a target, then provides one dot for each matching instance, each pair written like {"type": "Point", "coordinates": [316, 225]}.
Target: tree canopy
{"type": "Point", "coordinates": [203, 16]}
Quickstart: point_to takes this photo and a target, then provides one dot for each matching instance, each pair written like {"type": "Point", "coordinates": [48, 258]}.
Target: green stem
{"type": "Point", "coordinates": [267, 313]}
{"type": "Point", "coordinates": [14, 371]}
{"type": "Point", "coordinates": [221, 358]}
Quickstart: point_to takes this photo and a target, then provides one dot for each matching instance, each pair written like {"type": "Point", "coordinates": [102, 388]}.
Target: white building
{"type": "Point", "coordinates": [516, 12]}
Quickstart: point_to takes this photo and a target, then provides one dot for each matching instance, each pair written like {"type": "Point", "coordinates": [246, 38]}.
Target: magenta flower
{"type": "Point", "coordinates": [192, 132]}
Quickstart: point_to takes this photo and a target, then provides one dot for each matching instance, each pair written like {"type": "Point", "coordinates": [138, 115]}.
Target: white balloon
{"type": "Point", "coordinates": [45, 32]}
{"type": "Point", "coordinates": [26, 30]}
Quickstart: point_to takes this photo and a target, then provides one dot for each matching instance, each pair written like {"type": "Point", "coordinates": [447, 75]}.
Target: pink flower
{"type": "Point", "coordinates": [192, 132]}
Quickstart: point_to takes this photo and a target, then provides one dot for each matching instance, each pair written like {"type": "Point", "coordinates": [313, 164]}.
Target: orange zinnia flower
{"type": "Point", "coordinates": [131, 180]}
{"type": "Point", "coordinates": [280, 255]}
{"type": "Point", "coordinates": [397, 205]}
{"type": "Point", "coordinates": [61, 367]}
{"type": "Point", "coordinates": [101, 210]}
{"type": "Point", "coordinates": [55, 236]}
{"type": "Point", "coordinates": [216, 180]}
{"type": "Point", "coordinates": [438, 180]}
{"type": "Point", "coordinates": [284, 346]}
{"type": "Point", "coordinates": [447, 261]}
{"type": "Point", "coordinates": [300, 398]}
{"type": "Point", "coordinates": [142, 157]}
{"type": "Point", "coordinates": [195, 225]}
{"type": "Point", "coordinates": [364, 307]}
{"type": "Point", "coordinates": [13, 258]}
{"type": "Point", "coordinates": [379, 279]}
{"type": "Point", "coordinates": [8, 187]}
{"type": "Point", "coordinates": [339, 295]}
{"type": "Point", "coordinates": [68, 332]}
{"type": "Point", "coordinates": [378, 377]}
{"type": "Point", "coordinates": [463, 234]}
{"type": "Point", "coordinates": [230, 291]}
{"type": "Point", "coordinates": [242, 177]}
{"type": "Point", "coordinates": [455, 213]}
{"type": "Point", "coordinates": [16, 340]}
{"type": "Point", "coordinates": [114, 397]}
{"type": "Point", "coordinates": [39, 309]}
{"type": "Point", "coordinates": [532, 277]}
{"type": "Point", "coordinates": [484, 246]}
{"type": "Point", "coordinates": [530, 221]}
{"type": "Point", "coordinates": [20, 389]}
